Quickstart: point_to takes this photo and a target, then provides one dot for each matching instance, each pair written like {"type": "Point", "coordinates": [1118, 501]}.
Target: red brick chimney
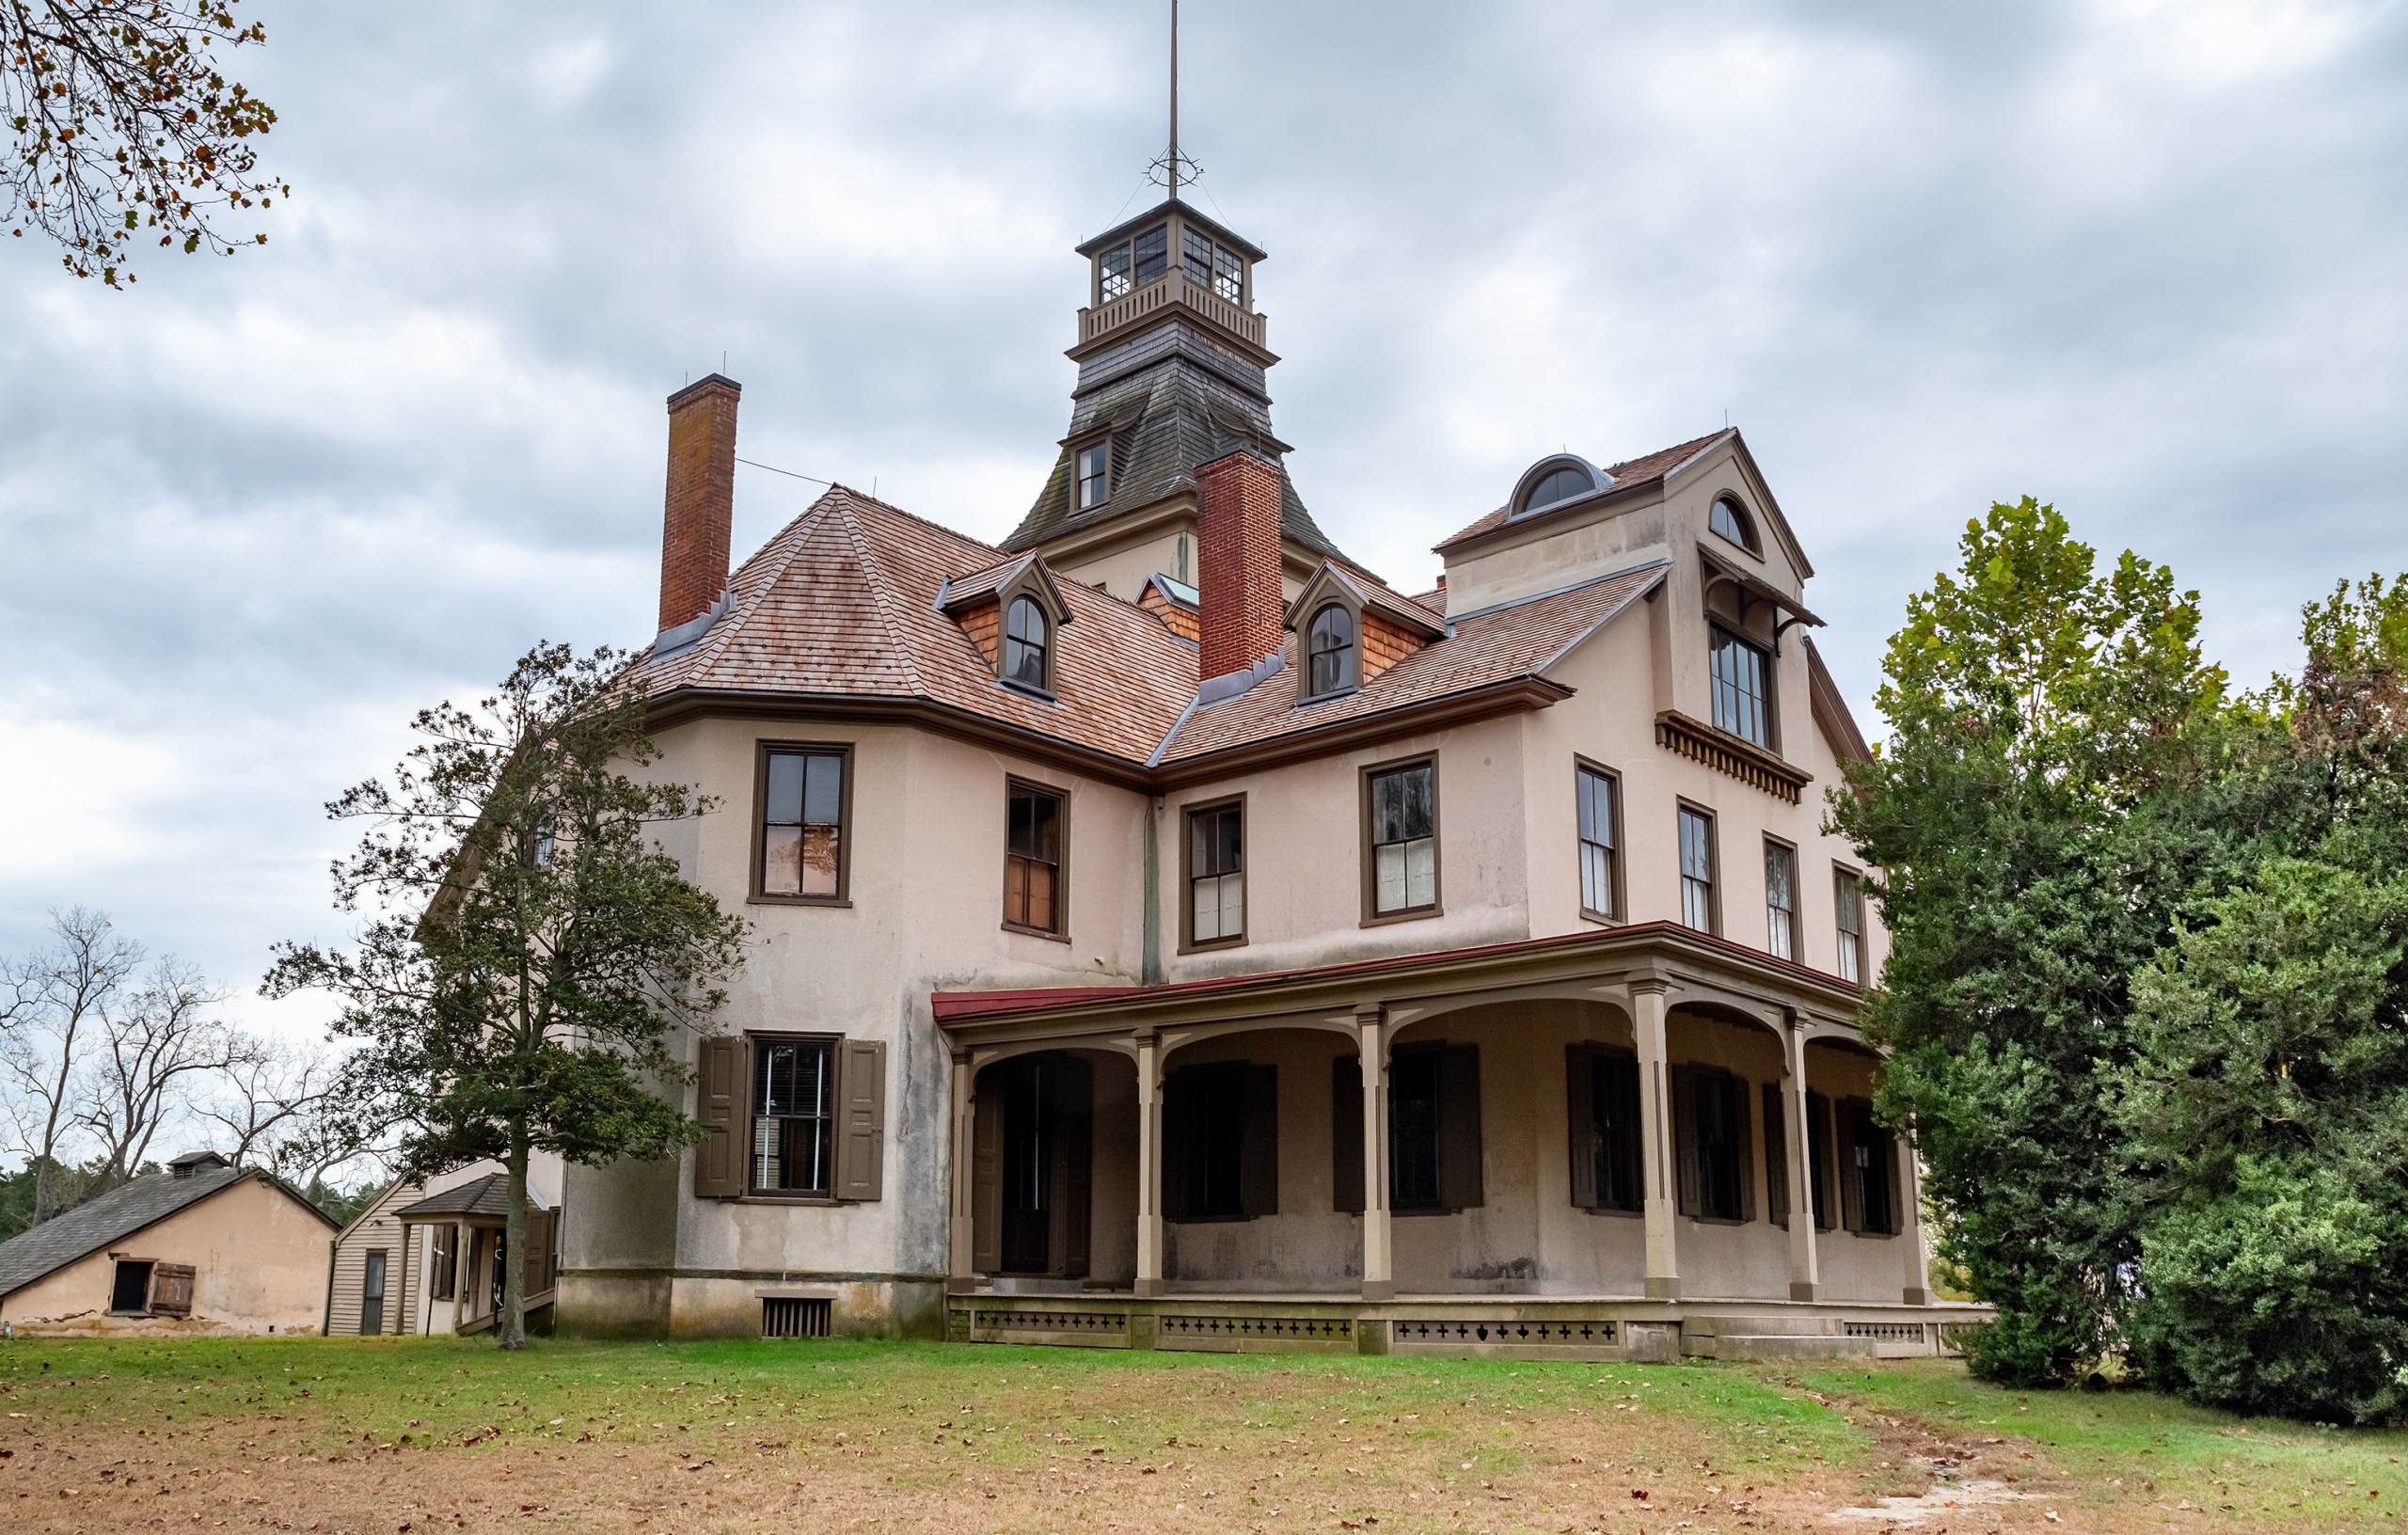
{"type": "Point", "coordinates": [695, 526]}
{"type": "Point", "coordinates": [1237, 542]}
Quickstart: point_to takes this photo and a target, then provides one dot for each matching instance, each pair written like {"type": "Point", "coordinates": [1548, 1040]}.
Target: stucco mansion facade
{"type": "Point", "coordinates": [1168, 935]}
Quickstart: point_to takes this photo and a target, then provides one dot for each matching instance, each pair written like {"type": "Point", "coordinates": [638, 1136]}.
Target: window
{"type": "Point", "coordinates": [1025, 643]}
{"type": "Point", "coordinates": [1112, 272]}
{"type": "Point", "coordinates": [1221, 1142]}
{"type": "Point", "coordinates": [130, 1290]}
{"type": "Point", "coordinates": [1606, 1169]}
{"type": "Point", "coordinates": [1093, 487]}
{"type": "Point", "coordinates": [1433, 1128]}
{"type": "Point", "coordinates": [1697, 869]}
{"type": "Point", "coordinates": [1197, 251]}
{"type": "Point", "coordinates": [1849, 897]}
{"type": "Point", "coordinates": [443, 1264]}
{"type": "Point", "coordinates": [803, 824]}
{"type": "Point", "coordinates": [1330, 646]}
{"type": "Point", "coordinates": [1780, 900]}
{"type": "Point", "coordinates": [1598, 884]}
{"type": "Point", "coordinates": [372, 1295]}
{"type": "Point", "coordinates": [793, 1117]}
{"type": "Point", "coordinates": [1730, 520]}
{"type": "Point", "coordinates": [1228, 274]}
{"type": "Point", "coordinates": [1742, 696]}
{"type": "Point", "coordinates": [1869, 1163]}
{"type": "Point", "coordinates": [1404, 842]}
{"type": "Point", "coordinates": [1710, 1122]}
{"type": "Point", "coordinates": [1153, 254]}
{"type": "Point", "coordinates": [1033, 859]}
{"type": "Point", "coordinates": [1566, 480]}
{"type": "Point", "coordinates": [1216, 874]}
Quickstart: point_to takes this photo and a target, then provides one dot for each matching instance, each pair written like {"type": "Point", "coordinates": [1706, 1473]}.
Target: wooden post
{"type": "Point", "coordinates": [1916, 1286]}
{"type": "Point", "coordinates": [1149, 1164]}
{"type": "Point", "coordinates": [961, 1230]}
{"type": "Point", "coordinates": [1655, 1133]}
{"type": "Point", "coordinates": [1379, 1255]}
{"type": "Point", "coordinates": [462, 1270]}
{"type": "Point", "coordinates": [1805, 1262]}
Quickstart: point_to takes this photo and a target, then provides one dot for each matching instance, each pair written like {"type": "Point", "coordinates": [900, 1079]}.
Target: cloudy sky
{"type": "Point", "coordinates": [2146, 259]}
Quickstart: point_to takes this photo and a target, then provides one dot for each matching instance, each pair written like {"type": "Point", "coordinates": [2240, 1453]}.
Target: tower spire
{"type": "Point", "coordinates": [1174, 167]}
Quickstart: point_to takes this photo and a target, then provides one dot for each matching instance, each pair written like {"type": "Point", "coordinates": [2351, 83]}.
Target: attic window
{"type": "Point", "coordinates": [1554, 480]}
{"type": "Point", "coordinates": [1330, 650]}
{"type": "Point", "coordinates": [1730, 520]}
{"type": "Point", "coordinates": [1025, 649]}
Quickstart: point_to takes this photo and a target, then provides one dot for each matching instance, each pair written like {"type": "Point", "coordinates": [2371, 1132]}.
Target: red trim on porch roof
{"type": "Point", "coordinates": [963, 1006]}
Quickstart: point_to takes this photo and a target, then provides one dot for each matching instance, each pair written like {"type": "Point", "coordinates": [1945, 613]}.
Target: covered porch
{"type": "Point", "coordinates": [467, 1252]}
{"type": "Point", "coordinates": [1632, 1143]}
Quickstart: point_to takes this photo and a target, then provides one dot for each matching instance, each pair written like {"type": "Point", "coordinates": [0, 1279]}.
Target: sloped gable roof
{"type": "Point", "coordinates": [93, 1226]}
{"type": "Point", "coordinates": [1630, 473]}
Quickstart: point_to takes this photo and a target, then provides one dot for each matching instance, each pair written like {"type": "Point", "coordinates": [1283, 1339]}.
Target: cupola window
{"type": "Point", "coordinates": [1228, 274]}
{"type": "Point", "coordinates": [1093, 484]}
{"type": "Point", "coordinates": [1730, 520]}
{"type": "Point", "coordinates": [1112, 273]}
{"type": "Point", "coordinates": [1329, 646]}
{"type": "Point", "coordinates": [1153, 254]}
{"type": "Point", "coordinates": [1025, 633]}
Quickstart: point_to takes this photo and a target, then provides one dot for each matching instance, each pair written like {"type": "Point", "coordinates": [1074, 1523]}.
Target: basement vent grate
{"type": "Point", "coordinates": [794, 1316]}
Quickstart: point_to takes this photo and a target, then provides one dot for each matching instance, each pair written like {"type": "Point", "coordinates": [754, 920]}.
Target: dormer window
{"type": "Point", "coordinates": [1329, 646]}
{"type": "Point", "coordinates": [1026, 655]}
{"type": "Point", "coordinates": [1551, 482]}
{"type": "Point", "coordinates": [1730, 521]}
{"type": "Point", "coordinates": [1094, 481]}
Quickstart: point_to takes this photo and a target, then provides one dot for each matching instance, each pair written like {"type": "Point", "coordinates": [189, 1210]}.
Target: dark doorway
{"type": "Point", "coordinates": [132, 1291]}
{"type": "Point", "coordinates": [372, 1295]}
{"type": "Point", "coordinates": [1034, 1149]}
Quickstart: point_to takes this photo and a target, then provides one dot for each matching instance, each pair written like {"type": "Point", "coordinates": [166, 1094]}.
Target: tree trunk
{"type": "Point", "coordinates": [510, 1329]}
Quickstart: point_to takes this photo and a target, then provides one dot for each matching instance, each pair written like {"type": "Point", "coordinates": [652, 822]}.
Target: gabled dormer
{"type": "Point", "coordinates": [1014, 613]}
{"type": "Point", "coordinates": [1349, 631]}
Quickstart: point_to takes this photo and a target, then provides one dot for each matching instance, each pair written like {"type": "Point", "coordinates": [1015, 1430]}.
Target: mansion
{"type": "Point", "coordinates": [1167, 934]}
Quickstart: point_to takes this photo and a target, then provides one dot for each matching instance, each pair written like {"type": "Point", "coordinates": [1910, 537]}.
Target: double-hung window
{"type": "Point", "coordinates": [1403, 823]}
{"type": "Point", "coordinates": [1697, 869]}
{"type": "Point", "coordinates": [793, 1117]}
{"type": "Point", "coordinates": [1094, 481]}
{"type": "Point", "coordinates": [1033, 859]}
{"type": "Point", "coordinates": [1848, 893]}
{"type": "Point", "coordinates": [802, 823]}
{"type": "Point", "coordinates": [1780, 900]}
{"type": "Point", "coordinates": [1595, 794]}
{"type": "Point", "coordinates": [1216, 874]}
{"type": "Point", "coordinates": [1742, 688]}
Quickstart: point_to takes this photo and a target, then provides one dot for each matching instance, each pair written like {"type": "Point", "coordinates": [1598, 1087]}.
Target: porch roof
{"type": "Point", "coordinates": [952, 1007]}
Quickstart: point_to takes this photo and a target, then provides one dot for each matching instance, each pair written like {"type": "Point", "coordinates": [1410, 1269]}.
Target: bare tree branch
{"type": "Point", "coordinates": [154, 1045]}
{"type": "Point", "coordinates": [53, 999]}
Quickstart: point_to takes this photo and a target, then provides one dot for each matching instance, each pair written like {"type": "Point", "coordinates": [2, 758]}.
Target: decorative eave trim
{"type": "Point", "coordinates": [1725, 752]}
{"type": "Point", "coordinates": [680, 705]}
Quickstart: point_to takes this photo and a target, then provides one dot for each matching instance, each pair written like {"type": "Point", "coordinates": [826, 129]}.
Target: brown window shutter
{"type": "Point", "coordinates": [987, 1175]}
{"type": "Point", "coordinates": [1818, 1158]}
{"type": "Point", "coordinates": [861, 1125]}
{"type": "Point", "coordinates": [719, 1161]}
{"type": "Point", "coordinates": [1074, 1132]}
{"type": "Point", "coordinates": [1258, 1143]}
{"type": "Point", "coordinates": [1346, 1134]}
{"type": "Point", "coordinates": [1851, 1179]}
{"type": "Point", "coordinates": [1684, 1139]}
{"type": "Point", "coordinates": [171, 1286]}
{"type": "Point", "coordinates": [1744, 1136]}
{"type": "Point", "coordinates": [1776, 1156]}
{"type": "Point", "coordinates": [538, 1260]}
{"type": "Point", "coordinates": [1459, 1140]}
{"type": "Point", "coordinates": [1581, 1114]}
{"type": "Point", "coordinates": [1178, 1095]}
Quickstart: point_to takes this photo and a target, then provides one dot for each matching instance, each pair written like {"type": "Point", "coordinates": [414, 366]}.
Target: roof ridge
{"type": "Point", "coordinates": [773, 559]}
{"type": "Point", "coordinates": [925, 522]}
{"type": "Point", "coordinates": [883, 600]}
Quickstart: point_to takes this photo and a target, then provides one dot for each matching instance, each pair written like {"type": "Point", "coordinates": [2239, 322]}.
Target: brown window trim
{"type": "Point", "coordinates": [1796, 901]}
{"type": "Point", "coordinates": [1372, 916]}
{"type": "Point", "coordinates": [1864, 940]}
{"type": "Point", "coordinates": [1714, 862]}
{"type": "Point", "coordinates": [1621, 893]}
{"type": "Point", "coordinates": [754, 1039]}
{"type": "Point", "coordinates": [1187, 943]}
{"type": "Point", "coordinates": [1772, 685]}
{"type": "Point", "coordinates": [1061, 865]}
{"type": "Point", "coordinates": [761, 752]}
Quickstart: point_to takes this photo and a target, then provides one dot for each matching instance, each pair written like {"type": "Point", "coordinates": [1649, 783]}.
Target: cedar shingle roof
{"type": "Point", "coordinates": [1630, 472]}
{"type": "Point", "coordinates": [91, 1228]}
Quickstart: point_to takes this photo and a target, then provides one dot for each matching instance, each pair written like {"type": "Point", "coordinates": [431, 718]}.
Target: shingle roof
{"type": "Point", "coordinates": [91, 1228]}
{"type": "Point", "coordinates": [1630, 472]}
{"type": "Point", "coordinates": [486, 1195]}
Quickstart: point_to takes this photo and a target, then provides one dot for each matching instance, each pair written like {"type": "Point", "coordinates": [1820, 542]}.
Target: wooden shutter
{"type": "Point", "coordinates": [1581, 1114]}
{"type": "Point", "coordinates": [1258, 1143]}
{"type": "Point", "coordinates": [1818, 1158]}
{"type": "Point", "coordinates": [1685, 1140]}
{"type": "Point", "coordinates": [987, 1172]}
{"type": "Point", "coordinates": [171, 1286]}
{"type": "Point", "coordinates": [1073, 1081]}
{"type": "Point", "coordinates": [538, 1260]}
{"type": "Point", "coordinates": [1346, 1134]}
{"type": "Point", "coordinates": [1851, 1180]}
{"type": "Point", "coordinates": [1459, 1172]}
{"type": "Point", "coordinates": [719, 1161]}
{"type": "Point", "coordinates": [861, 1122]}
{"type": "Point", "coordinates": [1744, 1142]}
{"type": "Point", "coordinates": [1776, 1156]}
{"type": "Point", "coordinates": [1179, 1094]}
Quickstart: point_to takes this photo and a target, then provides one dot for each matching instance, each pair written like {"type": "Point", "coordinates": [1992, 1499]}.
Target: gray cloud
{"type": "Point", "coordinates": [2145, 260]}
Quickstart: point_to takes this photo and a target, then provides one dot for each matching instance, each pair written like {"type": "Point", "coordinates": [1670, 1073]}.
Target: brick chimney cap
{"type": "Point", "coordinates": [1242, 449]}
{"type": "Point", "coordinates": [706, 381]}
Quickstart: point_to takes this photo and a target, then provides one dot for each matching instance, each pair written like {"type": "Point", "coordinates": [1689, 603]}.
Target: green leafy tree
{"type": "Point", "coordinates": [532, 945]}
{"type": "Point", "coordinates": [122, 125]}
{"type": "Point", "coordinates": [2040, 710]}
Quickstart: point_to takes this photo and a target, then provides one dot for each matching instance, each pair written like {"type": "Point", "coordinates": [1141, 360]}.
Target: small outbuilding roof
{"type": "Point", "coordinates": [486, 1195]}
{"type": "Point", "coordinates": [91, 1228]}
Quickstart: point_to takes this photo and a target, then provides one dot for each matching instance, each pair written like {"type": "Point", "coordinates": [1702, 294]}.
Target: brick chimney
{"type": "Point", "coordinates": [1237, 539]}
{"type": "Point", "coordinates": [695, 526]}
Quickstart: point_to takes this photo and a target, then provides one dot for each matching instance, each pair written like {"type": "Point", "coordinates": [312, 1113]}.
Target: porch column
{"type": "Point", "coordinates": [1805, 1263]}
{"type": "Point", "coordinates": [1916, 1282]}
{"type": "Point", "coordinates": [1656, 1139]}
{"type": "Point", "coordinates": [1149, 1164]}
{"type": "Point", "coordinates": [961, 1246]}
{"type": "Point", "coordinates": [1379, 1258]}
{"type": "Point", "coordinates": [462, 1271]}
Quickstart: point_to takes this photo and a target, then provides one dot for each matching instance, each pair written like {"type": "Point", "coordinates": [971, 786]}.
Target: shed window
{"type": "Point", "coordinates": [130, 1291]}
{"type": "Point", "coordinates": [803, 824]}
{"type": "Point", "coordinates": [1742, 688]}
{"type": "Point", "coordinates": [1330, 645]}
{"type": "Point", "coordinates": [1033, 859]}
{"type": "Point", "coordinates": [1404, 842]}
{"type": "Point", "coordinates": [794, 1116]}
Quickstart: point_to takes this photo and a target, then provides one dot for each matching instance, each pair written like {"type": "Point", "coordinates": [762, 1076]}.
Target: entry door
{"type": "Point", "coordinates": [372, 1295]}
{"type": "Point", "coordinates": [1046, 1176]}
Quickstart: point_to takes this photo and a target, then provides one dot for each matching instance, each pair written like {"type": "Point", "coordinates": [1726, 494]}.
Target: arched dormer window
{"type": "Point", "coordinates": [1329, 649]}
{"type": "Point", "coordinates": [1730, 520]}
{"type": "Point", "coordinates": [1551, 482]}
{"type": "Point", "coordinates": [1027, 651]}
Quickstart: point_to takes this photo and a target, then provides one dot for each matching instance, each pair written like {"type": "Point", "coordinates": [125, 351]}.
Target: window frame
{"type": "Point", "coordinates": [762, 752]}
{"type": "Point", "coordinates": [1188, 941]}
{"type": "Point", "coordinates": [1713, 881]}
{"type": "Point", "coordinates": [1849, 946]}
{"type": "Point", "coordinates": [1372, 915]}
{"type": "Point", "coordinates": [1689, 1143]}
{"type": "Point", "coordinates": [1060, 933]}
{"type": "Point", "coordinates": [1788, 850]}
{"type": "Point", "coordinates": [1352, 651]}
{"type": "Point", "coordinates": [1101, 447]}
{"type": "Point", "coordinates": [1006, 640]}
{"type": "Point", "coordinates": [753, 1041]}
{"type": "Point", "coordinates": [1592, 1055]}
{"type": "Point", "coordinates": [1584, 766]}
{"type": "Point", "coordinates": [1125, 250]}
{"type": "Point", "coordinates": [1753, 542]}
{"type": "Point", "coordinates": [1168, 258]}
{"type": "Point", "coordinates": [1718, 628]}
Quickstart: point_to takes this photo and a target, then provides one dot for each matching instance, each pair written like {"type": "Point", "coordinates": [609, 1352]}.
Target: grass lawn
{"type": "Point", "coordinates": [413, 1437]}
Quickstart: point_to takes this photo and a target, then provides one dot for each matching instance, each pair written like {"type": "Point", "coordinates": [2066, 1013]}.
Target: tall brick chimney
{"type": "Point", "coordinates": [695, 526]}
{"type": "Point", "coordinates": [1237, 539]}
